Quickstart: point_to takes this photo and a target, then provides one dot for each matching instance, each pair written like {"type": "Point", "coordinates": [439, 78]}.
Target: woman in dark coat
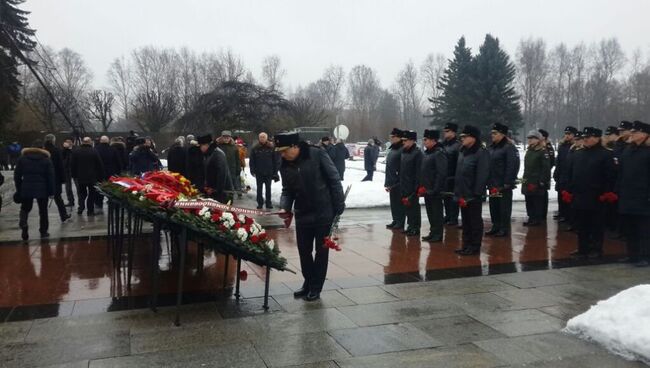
{"type": "Point", "coordinates": [176, 157]}
{"type": "Point", "coordinates": [34, 179]}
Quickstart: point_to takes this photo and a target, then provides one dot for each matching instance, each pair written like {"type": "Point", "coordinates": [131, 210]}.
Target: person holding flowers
{"type": "Point", "coordinates": [311, 188]}
{"type": "Point", "coordinates": [504, 166]}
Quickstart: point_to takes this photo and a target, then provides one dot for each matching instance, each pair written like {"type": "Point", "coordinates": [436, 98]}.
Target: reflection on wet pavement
{"type": "Point", "coordinates": [74, 277]}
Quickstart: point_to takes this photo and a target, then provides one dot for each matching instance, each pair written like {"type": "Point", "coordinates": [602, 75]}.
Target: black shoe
{"type": "Point", "coordinates": [532, 223]}
{"type": "Point", "coordinates": [90, 214]}
{"type": "Point", "coordinates": [312, 296]}
{"type": "Point", "coordinates": [412, 232]}
{"type": "Point", "coordinates": [501, 234]}
{"type": "Point", "coordinates": [45, 235]}
{"type": "Point", "coordinates": [434, 240]}
{"type": "Point", "coordinates": [269, 207]}
{"type": "Point", "coordinates": [66, 218]}
{"type": "Point", "coordinates": [470, 252]}
{"type": "Point", "coordinates": [25, 234]}
{"type": "Point", "coordinates": [451, 223]}
{"type": "Point", "coordinates": [80, 211]}
{"type": "Point", "coordinates": [491, 232]}
{"type": "Point", "coordinates": [69, 204]}
{"type": "Point", "coordinates": [642, 263]}
{"type": "Point", "coordinates": [427, 238]}
{"type": "Point", "coordinates": [459, 250]}
{"type": "Point", "coordinates": [259, 207]}
{"type": "Point", "coordinates": [303, 291]}
{"type": "Point", "coordinates": [391, 225]}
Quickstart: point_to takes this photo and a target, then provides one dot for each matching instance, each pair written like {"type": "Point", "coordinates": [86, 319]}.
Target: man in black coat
{"type": "Point", "coordinates": [66, 155]}
{"type": "Point", "coordinates": [112, 165]}
{"type": "Point", "coordinates": [327, 145]}
{"type": "Point", "coordinates": [560, 175]}
{"type": "Point", "coordinates": [391, 180]}
{"type": "Point", "coordinates": [341, 154]}
{"type": "Point", "coordinates": [217, 176]}
{"type": "Point", "coordinates": [433, 177]}
{"type": "Point", "coordinates": [87, 169]}
{"type": "Point", "coordinates": [550, 150]}
{"type": "Point", "coordinates": [504, 167]}
{"type": "Point", "coordinates": [59, 174]}
{"type": "Point", "coordinates": [634, 194]}
{"type": "Point", "coordinates": [197, 155]}
{"type": "Point", "coordinates": [311, 187]}
{"type": "Point", "coordinates": [409, 181]}
{"type": "Point", "coordinates": [176, 156]}
{"type": "Point", "coordinates": [34, 179]}
{"type": "Point", "coordinates": [370, 156]}
{"type": "Point", "coordinates": [264, 164]}
{"type": "Point", "coordinates": [452, 145]}
{"type": "Point", "coordinates": [624, 134]}
{"type": "Point", "coordinates": [143, 159]}
{"type": "Point", "coordinates": [472, 174]}
{"type": "Point", "coordinates": [118, 144]}
{"type": "Point", "coordinates": [591, 175]}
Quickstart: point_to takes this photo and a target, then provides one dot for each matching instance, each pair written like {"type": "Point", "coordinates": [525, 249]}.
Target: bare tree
{"type": "Point", "coordinates": [533, 68]}
{"type": "Point", "coordinates": [272, 72]}
{"type": "Point", "coordinates": [332, 83]}
{"type": "Point", "coordinates": [432, 69]}
{"type": "Point", "coordinates": [407, 89]}
{"type": "Point", "coordinates": [364, 93]}
{"type": "Point", "coordinates": [100, 105]}
{"type": "Point", "coordinates": [75, 81]}
{"type": "Point", "coordinates": [119, 78]}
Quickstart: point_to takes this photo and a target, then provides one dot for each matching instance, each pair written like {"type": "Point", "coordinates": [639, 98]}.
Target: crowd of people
{"type": "Point", "coordinates": [602, 180]}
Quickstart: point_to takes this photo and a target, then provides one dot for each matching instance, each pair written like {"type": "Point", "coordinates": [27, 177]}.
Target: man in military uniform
{"type": "Point", "coordinates": [610, 137]}
{"type": "Point", "coordinates": [311, 188]}
{"type": "Point", "coordinates": [591, 181]}
{"type": "Point", "coordinates": [391, 180]}
{"type": "Point", "coordinates": [561, 171]}
{"type": "Point", "coordinates": [550, 150]}
{"type": "Point", "coordinates": [624, 133]}
{"type": "Point", "coordinates": [451, 146]}
{"type": "Point", "coordinates": [504, 167]}
{"type": "Point", "coordinates": [537, 175]}
{"type": "Point", "coordinates": [409, 180]}
{"type": "Point", "coordinates": [469, 188]}
{"type": "Point", "coordinates": [633, 190]}
{"type": "Point", "coordinates": [432, 183]}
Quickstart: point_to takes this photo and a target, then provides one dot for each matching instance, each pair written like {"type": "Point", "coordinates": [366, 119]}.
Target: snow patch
{"type": "Point", "coordinates": [621, 324]}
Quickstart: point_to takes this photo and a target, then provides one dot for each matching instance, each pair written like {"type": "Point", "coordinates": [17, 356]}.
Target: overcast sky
{"type": "Point", "coordinates": [310, 35]}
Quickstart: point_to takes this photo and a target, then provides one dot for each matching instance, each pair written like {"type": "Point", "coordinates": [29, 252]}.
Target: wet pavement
{"type": "Point", "coordinates": [388, 301]}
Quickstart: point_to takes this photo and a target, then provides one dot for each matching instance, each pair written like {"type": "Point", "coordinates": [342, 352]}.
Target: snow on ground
{"type": "Point", "coordinates": [621, 324]}
{"type": "Point", "coordinates": [372, 194]}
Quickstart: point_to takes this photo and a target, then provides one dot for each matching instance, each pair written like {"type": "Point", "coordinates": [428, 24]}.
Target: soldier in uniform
{"type": "Point", "coordinates": [451, 146]}
{"type": "Point", "coordinates": [550, 150]}
{"type": "Point", "coordinates": [591, 177]}
{"type": "Point", "coordinates": [409, 180]}
{"type": "Point", "coordinates": [472, 174]}
{"type": "Point", "coordinates": [391, 181]}
{"type": "Point", "coordinates": [504, 167]}
{"type": "Point", "coordinates": [537, 175]}
{"type": "Point", "coordinates": [432, 183]}
{"type": "Point", "coordinates": [311, 187]}
{"type": "Point", "coordinates": [610, 137]}
{"type": "Point", "coordinates": [633, 190]}
{"type": "Point", "coordinates": [624, 132]}
{"type": "Point", "coordinates": [560, 174]}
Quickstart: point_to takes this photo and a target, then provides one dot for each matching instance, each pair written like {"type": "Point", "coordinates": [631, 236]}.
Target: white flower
{"type": "Point", "coordinates": [227, 216]}
{"type": "Point", "coordinates": [241, 218]}
{"type": "Point", "coordinates": [271, 243]}
{"type": "Point", "coordinates": [134, 192]}
{"type": "Point", "coordinates": [142, 199]}
{"type": "Point", "coordinates": [241, 234]}
{"type": "Point", "coordinates": [254, 231]}
{"type": "Point", "coordinates": [203, 211]}
{"type": "Point", "coordinates": [207, 215]}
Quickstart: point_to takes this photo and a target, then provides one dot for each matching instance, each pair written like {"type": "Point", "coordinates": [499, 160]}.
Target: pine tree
{"type": "Point", "coordinates": [455, 105]}
{"type": "Point", "coordinates": [494, 93]}
{"type": "Point", "coordinates": [14, 34]}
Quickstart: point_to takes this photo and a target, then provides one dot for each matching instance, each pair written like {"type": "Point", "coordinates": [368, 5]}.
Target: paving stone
{"type": "Point", "coordinates": [531, 279]}
{"type": "Point", "coordinates": [79, 364]}
{"type": "Point", "coordinates": [520, 322]}
{"type": "Point", "coordinates": [356, 282]}
{"type": "Point", "coordinates": [299, 349]}
{"type": "Point", "coordinates": [565, 311]}
{"type": "Point", "coordinates": [574, 293]}
{"type": "Point", "coordinates": [14, 332]}
{"type": "Point", "coordinates": [58, 351]}
{"type": "Point", "coordinates": [480, 303]}
{"type": "Point", "coordinates": [586, 361]}
{"type": "Point", "coordinates": [196, 335]}
{"type": "Point", "coordinates": [329, 364]}
{"type": "Point", "coordinates": [232, 356]}
{"type": "Point", "coordinates": [281, 324]}
{"type": "Point", "coordinates": [328, 299]}
{"type": "Point", "coordinates": [529, 349]}
{"type": "Point", "coordinates": [457, 330]}
{"type": "Point", "coordinates": [466, 356]}
{"type": "Point", "coordinates": [383, 339]}
{"type": "Point", "coordinates": [530, 298]}
{"type": "Point", "coordinates": [460, 286]}
{"type": "Point", "coordinates": [246, 307]}
{"type": "Point", "coordinates": [401, 311]}
{"type": "Point", "coordinates": [368, 295]}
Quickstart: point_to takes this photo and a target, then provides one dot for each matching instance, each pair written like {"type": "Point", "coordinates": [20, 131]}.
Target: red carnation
{"type": "Point", "coordinates": [263, 236]}
{"type": "Point", "coordinates": [566, 197]}
{"type": "Point", "coordinates": [237, 226]}
{"type": "Point", "coordinates": [255, 239]}
{"type": "Point", "coordinates": [494, 191]}
{"type": "Point", "coordinates": [249, 221]}
{"type": "Point", "coordinates": [531, 187]}
{"type": "Point", "coordinates": [243, 275]}
{"type": "Point", "coordinates": [462, 203]}
{"type": "Point", "coordinates": [406, 202]}
{"type": "Point", "coordinates": [216, 217]}
{"type": "Point", "coordinates": [421, 191]}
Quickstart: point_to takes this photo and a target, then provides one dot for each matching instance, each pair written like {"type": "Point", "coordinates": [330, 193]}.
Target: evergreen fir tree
{"type": "Point", "coordinates": [495, 99]}
{"type": "Point", "coordinates": [13, 25]}
{"type": "Point", "coordinates": [455, 105]}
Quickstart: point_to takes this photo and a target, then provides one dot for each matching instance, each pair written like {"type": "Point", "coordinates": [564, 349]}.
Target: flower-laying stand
{"type": "Point", "coordinates": [171, 205]}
